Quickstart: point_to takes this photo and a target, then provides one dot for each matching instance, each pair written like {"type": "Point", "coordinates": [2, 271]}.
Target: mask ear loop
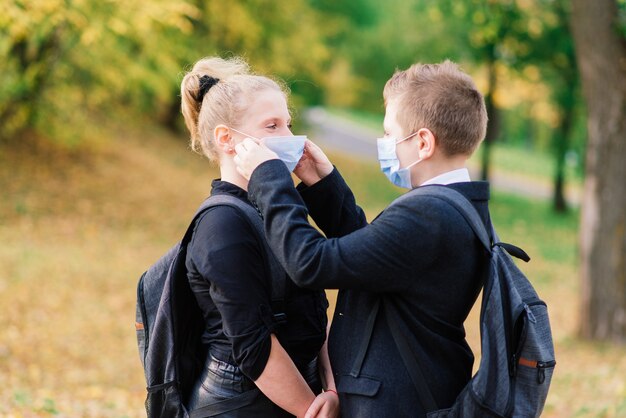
{"type": "Point", "coordinates": [415, 162]}
{"type": "Point", "coordinates": [404, 139]}
{"type": "Point", "coordinates": [245, 134]}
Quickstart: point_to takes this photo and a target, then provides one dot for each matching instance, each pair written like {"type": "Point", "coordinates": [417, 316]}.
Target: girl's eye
{"type": "Point", "coordinates": [289, 125]}
{"type": "Point", "coordinates": [272, 126]}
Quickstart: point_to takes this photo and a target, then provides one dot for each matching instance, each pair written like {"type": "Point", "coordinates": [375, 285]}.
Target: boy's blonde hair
{"type": "Point", "coordinates": [233, 87]}
{"type": "Point", "coordinates": [442, 98]}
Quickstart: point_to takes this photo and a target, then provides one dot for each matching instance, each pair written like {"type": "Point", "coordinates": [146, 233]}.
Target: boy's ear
{"type": "Point", "coordinates": [427, 143]}
{"type": "Point", "coordinates": [223, 139]}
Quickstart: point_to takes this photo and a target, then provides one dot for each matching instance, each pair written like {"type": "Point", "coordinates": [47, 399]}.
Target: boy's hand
{"type": "Point", "coordinates": [314, 165]}
{"type": "Point", "coordinates": [325, 405]}
{"type": "Point", "coordinates": [250, 155]}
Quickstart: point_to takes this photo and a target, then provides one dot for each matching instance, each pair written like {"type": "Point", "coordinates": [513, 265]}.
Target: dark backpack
{"type": "Point", "coordinates": [516, 341]}
{"type": "Point", "coordinates": [169, 322]}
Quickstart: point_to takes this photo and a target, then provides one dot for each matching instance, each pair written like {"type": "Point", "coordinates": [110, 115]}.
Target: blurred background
{"type": "Point", "coordinates": [97, 179]}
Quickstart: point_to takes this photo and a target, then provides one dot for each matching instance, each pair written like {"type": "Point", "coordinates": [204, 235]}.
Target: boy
{"type": "Point", "coordinates": [418, 265]}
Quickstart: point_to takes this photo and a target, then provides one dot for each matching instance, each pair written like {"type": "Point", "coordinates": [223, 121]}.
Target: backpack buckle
{"type": "Point", "coordinates": [280, 318]}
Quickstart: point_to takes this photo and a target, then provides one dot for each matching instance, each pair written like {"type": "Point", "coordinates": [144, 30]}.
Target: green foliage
{"type": "Point", "coordinates": [287, 39]}
{"type": "Point", "coordinates": [66, 59]}
{"type": "Point", "coordinates": [621, 5]}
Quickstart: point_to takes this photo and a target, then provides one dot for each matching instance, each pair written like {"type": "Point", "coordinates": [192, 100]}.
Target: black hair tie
{"type": "Point", "coordinates": [206, 82]}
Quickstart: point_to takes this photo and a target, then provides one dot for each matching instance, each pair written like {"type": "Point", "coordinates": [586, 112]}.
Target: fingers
{"type": "Point", "coordinates": [324, 406]}
{"type": "Point", "coordinates": [243, 172]}
{"type": "Point", "coordinates": [248, 144]}
{"type": "Point", "coordinates": [249, 154]}
{"type": "Point", "coordinates": [315, 153]}
{"type": "Point", "coordinates": [240, 167]}
{"type": "Point", "coordinates": [311, 147]}
{"type": "Point", "coordinates": [314, 408]}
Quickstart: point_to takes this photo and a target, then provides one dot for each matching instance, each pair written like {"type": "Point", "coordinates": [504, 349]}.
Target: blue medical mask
{"type": "Point", "coordinates": [288, 148]}
{"type": "Point", "coordinates": [389, 163]}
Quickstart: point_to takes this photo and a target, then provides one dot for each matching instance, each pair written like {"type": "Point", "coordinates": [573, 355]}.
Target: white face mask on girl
{"type": "Point", "coordinates": [389, 163]}
{"type": "Point", "coordinates": [288, 148]}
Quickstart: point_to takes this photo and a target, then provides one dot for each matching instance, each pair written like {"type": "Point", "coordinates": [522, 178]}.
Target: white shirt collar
{"type": "Point", "coordinates": [460, 175]}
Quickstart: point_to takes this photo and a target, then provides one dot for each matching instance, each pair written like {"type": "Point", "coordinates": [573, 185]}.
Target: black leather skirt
{"type": "Point", "coordinates": [224, 391]}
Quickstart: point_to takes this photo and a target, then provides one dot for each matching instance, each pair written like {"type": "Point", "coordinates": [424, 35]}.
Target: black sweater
{"type": "Point", "coordinates": [228, 275]}
{"type": "Point", "coordinates": [420, 254]}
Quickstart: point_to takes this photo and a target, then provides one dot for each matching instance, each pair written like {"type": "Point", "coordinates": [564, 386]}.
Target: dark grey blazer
{"type": "Point", "coordinates": [419, 254]}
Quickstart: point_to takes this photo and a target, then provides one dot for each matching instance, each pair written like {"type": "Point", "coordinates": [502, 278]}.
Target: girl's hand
{"type": "Point", "coordinates": [314, 165]}
{"type": "Point", "coordinates": [325, 405]}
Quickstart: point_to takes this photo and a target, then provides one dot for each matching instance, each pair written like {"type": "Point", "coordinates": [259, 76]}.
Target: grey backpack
{"type": "Point", "coordinates": [517, 360]}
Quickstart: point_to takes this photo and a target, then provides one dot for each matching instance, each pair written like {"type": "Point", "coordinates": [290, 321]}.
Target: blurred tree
{"type": "Point", "coordinates": [487, 31]}
{"type": "Point", "coordinates": [65, 59]}
{"type": "Point", "coordinates": [287, 39]}
{"type": "Point", "coordinates": [549, 47]}
{"type": "Point", "coordinates": [601, 55]}
{"type": "Point", "coordinates": [32, 52]}
{"type": "Point", "coordinates": [68, 60]}
{"type": "Point", "coordinates": [515, 35]}
{"type": "Point", "coordinates": [359, 23]}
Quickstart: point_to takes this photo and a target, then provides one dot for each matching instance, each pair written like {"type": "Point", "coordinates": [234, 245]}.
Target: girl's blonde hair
{"type": "Point", "coordinates": [222, 103]}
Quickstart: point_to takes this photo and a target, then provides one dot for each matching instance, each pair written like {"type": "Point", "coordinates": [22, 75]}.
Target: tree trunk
{"type": "Point", "coordinates": [560, 146]}
{"type": "Point", "coordinates": [601, 56]}
{"type": "Point", "coordinates": [493, 125]}
{"type": "Point", "coordinates": [558, 198]}
{"type": "Point", "coordinates": [171, 115]}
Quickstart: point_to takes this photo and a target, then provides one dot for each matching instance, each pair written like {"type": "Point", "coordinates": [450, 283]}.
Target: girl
{"type": "Point", "coordinates": [247, 350]}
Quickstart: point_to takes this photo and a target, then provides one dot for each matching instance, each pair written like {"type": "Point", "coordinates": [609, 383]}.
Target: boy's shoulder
{"type": "Point", "coordinates": [476, 192]}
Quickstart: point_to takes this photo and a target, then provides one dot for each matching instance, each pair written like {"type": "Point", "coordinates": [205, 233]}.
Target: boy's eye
{"type": "Point", "coordinates": [289, 125]}
{"type": "Point", "coordinates": [271, 126]}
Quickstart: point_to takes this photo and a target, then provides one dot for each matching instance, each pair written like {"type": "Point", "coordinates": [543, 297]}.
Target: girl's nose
{"type": "Point", "coordinates": [286, 132]}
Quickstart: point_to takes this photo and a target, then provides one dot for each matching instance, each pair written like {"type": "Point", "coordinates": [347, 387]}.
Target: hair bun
{"type": "Point", "coordinates": [206, 82]}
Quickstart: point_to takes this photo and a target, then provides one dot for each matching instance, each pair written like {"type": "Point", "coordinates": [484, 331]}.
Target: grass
{"type": "Point", "coordinates": [79, 226]}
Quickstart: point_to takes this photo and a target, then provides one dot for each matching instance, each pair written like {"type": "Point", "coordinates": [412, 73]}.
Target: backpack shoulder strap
{"type": "Point", "coordinates": [472, 217]}
{"type": "Point", "coordinates": [254, 217]}
{"type": "Point", "coordinates": [465, 208]}
{"type": "Point", "coordinates": [410, 360]}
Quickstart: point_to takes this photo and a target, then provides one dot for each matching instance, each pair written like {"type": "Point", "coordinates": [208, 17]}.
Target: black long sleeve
{"type": "Point", "coordinates": [363, 259]}
{"type": "Point", "coordinates": [227, 272]}
{"type": "Point", "coordinates": [332, 206]}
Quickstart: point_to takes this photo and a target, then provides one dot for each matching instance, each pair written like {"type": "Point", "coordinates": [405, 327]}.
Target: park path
{"type": "Point", "coordinates": [337, 134]}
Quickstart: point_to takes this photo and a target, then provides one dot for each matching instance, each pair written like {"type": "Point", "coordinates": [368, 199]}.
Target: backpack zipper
{"type": "Point", "coordinates": [530, 314]}
{"type": "Point", "coordinates": [541, 367]}
{"type": "Point", "coordinates": [516, 358]}
{"type": "Point", "coordinates": [531, 317]}
{"type": "Point", "coordinates": [144, 317]}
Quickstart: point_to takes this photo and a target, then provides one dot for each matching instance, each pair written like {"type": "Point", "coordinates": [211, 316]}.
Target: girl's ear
{"type": "Point", "coordinates": [427, 143]}
{"type": "Point", "coordinates": [223, 139]}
